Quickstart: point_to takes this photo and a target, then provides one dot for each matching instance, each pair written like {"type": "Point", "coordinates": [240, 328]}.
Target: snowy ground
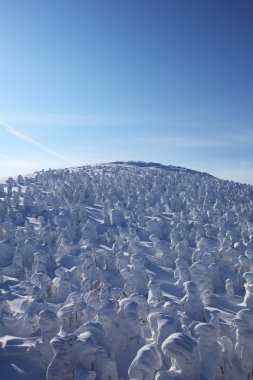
{"type": "Point", "coordinates": [126, 271]}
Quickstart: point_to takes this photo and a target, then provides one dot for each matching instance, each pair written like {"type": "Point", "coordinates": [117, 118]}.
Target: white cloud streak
{"type": "Point", "coordinates": [71, 119]}
{"type": "Point", "coordinates": [224, 139]}
{"type": "Point", "coordinates": [183, 142]}
{"type": "Point", "coordinates": [13, 131]}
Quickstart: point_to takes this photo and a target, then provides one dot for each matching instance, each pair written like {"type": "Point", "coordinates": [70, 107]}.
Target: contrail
{"type": "Point", "coordinates": [13, 131]}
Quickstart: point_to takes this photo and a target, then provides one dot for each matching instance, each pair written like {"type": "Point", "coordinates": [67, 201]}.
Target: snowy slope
{"type": "Point", "coordinates": [127, 270]}
{"type": "Point", "coordinates": [156, 165]}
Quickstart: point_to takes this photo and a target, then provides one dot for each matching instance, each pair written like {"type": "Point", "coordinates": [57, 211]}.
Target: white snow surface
{"type": "Point", "coordinates": [127, 270]}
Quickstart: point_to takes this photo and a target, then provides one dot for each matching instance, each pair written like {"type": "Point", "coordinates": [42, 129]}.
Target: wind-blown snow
{"type": "Point", "coordinates": [126, 270]}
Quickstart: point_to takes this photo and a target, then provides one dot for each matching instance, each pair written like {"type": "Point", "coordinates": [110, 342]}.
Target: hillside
{"type": "Point", "coordinates": [127, 270]}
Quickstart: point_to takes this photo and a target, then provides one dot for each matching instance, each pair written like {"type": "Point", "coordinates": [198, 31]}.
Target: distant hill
{"type": "Point", "coordinates": [144, 164]}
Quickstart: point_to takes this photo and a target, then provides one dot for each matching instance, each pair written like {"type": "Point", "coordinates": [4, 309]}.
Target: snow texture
{"type": "Point", "coordinates": [126, 271]}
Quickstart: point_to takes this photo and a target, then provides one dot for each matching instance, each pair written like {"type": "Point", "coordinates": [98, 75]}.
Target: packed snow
{"type": "Point", "coordinates": [126, 270]}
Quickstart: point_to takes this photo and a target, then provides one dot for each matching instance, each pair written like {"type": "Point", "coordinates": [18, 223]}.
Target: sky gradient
{"type": "Point", "coordinates": [89, 81]}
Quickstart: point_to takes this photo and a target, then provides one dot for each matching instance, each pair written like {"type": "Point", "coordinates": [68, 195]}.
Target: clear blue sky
{"type": "Point", "coordinates": [88, 81]}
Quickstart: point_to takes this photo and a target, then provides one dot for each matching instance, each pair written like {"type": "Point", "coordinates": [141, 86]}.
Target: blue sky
{"type": "Point", "coordinates": [88, 81]}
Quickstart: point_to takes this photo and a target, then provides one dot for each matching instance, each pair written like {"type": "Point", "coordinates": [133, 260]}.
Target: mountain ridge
{"type": "Point", "coordinates": [160, 166]}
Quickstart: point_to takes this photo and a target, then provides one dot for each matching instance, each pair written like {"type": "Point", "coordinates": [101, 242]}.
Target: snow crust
{"type": "Point", "coordinates": [126, 270]}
